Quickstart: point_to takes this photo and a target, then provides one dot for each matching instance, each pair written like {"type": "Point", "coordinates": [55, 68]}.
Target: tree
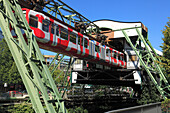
{"type": "Point", "coordinates": [8, 70]}
{"type": "Point", "coordinates": [166, 60]}
{"type": "Point", "coordinates": [149, 94]}
{"type": "Point", "coordinates": [166, 50]}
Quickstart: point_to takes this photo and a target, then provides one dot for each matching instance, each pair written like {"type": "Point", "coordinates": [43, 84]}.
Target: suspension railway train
{"type": "Point", "coordinates": [57, 36]}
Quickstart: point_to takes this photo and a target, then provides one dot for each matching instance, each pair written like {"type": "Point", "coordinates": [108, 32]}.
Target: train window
{"type": "Point", "coordinates": [97, 49]}
{"type": "Point", "coordinates": [107, 52]}
{"type": "Point", "coordinates": [73, 37]}
{"type": "Point", "coordinates": [52, 28]}
{"type": "Point", "coordinates": [82, 41]}
{"type": "Point", "coordinates": [115, 55]}
{"type": "Point", "coordinates": [79, 40]}
{"type": "Point", "coordinates": [57, 30]}
{"type": "Point", "coordinates": [45, 25]}
{"type": "Point", "coordinates": [119, 56]}
{"type": "Point", "coordinates": [132, 58]}
{"type": "Point", "coordinates": [33, 21]}
{"type": "Point", "coordinates": [112, 53]}
{"type": "Point", "coordinates": [85, 42]}
{"type": "Point", "coordinates": [64, 33]}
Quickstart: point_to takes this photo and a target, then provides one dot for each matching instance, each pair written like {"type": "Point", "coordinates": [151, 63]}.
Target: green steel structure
{"type": "Point", "coordinates": [149, 61]}
{"type": "Point", "coordinates": [62, 11]}
{"type": "Point", "coordinates": [29, 60]}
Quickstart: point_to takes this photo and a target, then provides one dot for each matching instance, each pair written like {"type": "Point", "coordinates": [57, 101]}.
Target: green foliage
{"type": "Point", "coordinates": [149, 95]}
{"type": "Point", "coordinates": [165, 105]}
{"type": "Point", "coordinates": [77, 110]}
{"type": "Point", "coordinates": [166, 50]}
{"type": "Point", "coordinates": [19, 108]}
{"type": "Point", "coordinates": [8, 69]}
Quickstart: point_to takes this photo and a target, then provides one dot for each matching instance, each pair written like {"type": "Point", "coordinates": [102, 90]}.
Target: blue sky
{"type": "Point", "coordinates": [152, 13]}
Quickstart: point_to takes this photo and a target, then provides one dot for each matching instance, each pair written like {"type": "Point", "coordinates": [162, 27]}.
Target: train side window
{"type": "Point", "coordinates": [33, 21]}
{"type": "Point", "coordinates": [97, 48]}
{"type": "Point", "coordinates": [79, 37]}
{"type": "Point", "coordinates": [115, 55]}
{"type": "Point", "coordinates": [73, 37]}
{"type": "Point", "coordinates": [57, 30]}
{"type": "Point", "coordinates": [45, 25]}
{"type": "Point", "coordinates": [52, 28]}
{"type": "Point", "coordinates": [119, 56]}
{"type": "Point", "coordinates": [85, 42]}
{"type": "Point", "coordinates": [64, 33]}
{"type": "Point", "coordinates": [107, 52]}
{"type": "Point", "coordinates": [82, 41]}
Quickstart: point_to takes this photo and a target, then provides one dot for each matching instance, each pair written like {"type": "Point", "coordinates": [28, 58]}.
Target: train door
{"type": "Point", "coordinates": [86, 46]}
{"type": "Point", "coordinates": [72, 41]}
{"type": "Point", "coordinates": [82, 44]}
{"type": "Point", "coordinates": [102, 55]}
{"type": "Point", "coordinates": [45, 28]}
{"type": "Point", "coordinates": [116, 61]}
{"type": "Point", "coordinates": [97, 51]}
{"type": "Point", "coordinates": [92, 48]}
{"type": "Point", "coordinates": [55, 33]}
{"type": "Point", "coordinates": [107, 57]}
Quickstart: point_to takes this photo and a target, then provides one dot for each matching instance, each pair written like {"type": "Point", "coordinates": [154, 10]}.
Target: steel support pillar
{"type": "Point", "coordinates": [28, 58]}
{"type": "Point", "coordinates": [149, 62]}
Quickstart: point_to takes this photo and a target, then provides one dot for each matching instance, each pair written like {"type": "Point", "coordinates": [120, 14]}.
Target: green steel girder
{"type": "Point", "coordinates": [28, 58]}
{"type": "Point", "coordinates": [68, 15]}
{"type": "Point", "coordinates": [149, 62]}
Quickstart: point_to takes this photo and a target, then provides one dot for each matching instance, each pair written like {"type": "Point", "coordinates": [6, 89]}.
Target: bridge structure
{"type": "Point", "coordinates": [30, 62]}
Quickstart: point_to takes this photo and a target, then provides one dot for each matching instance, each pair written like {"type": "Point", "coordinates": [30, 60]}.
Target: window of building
{"type": "Point", "coordinates": [64, 33]}
{"type": "Point", "coordinates": [85, 42]}
{"type": "Point", "coordinates": [73, 37]}
{"type": "Point", "coordinates": [33, 21]}
{"type": "Point", "coordinates": [132, 58]}
{"type": "Point", "coordinates": [45, 25]}
{"type": "Point", "coordinates": [97, 48]}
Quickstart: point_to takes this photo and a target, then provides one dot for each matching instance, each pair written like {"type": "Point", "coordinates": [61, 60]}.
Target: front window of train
{"type": "Point", "coordinates": [133, 58]}
{"type": "Point", "coordinates": [33, 21]}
